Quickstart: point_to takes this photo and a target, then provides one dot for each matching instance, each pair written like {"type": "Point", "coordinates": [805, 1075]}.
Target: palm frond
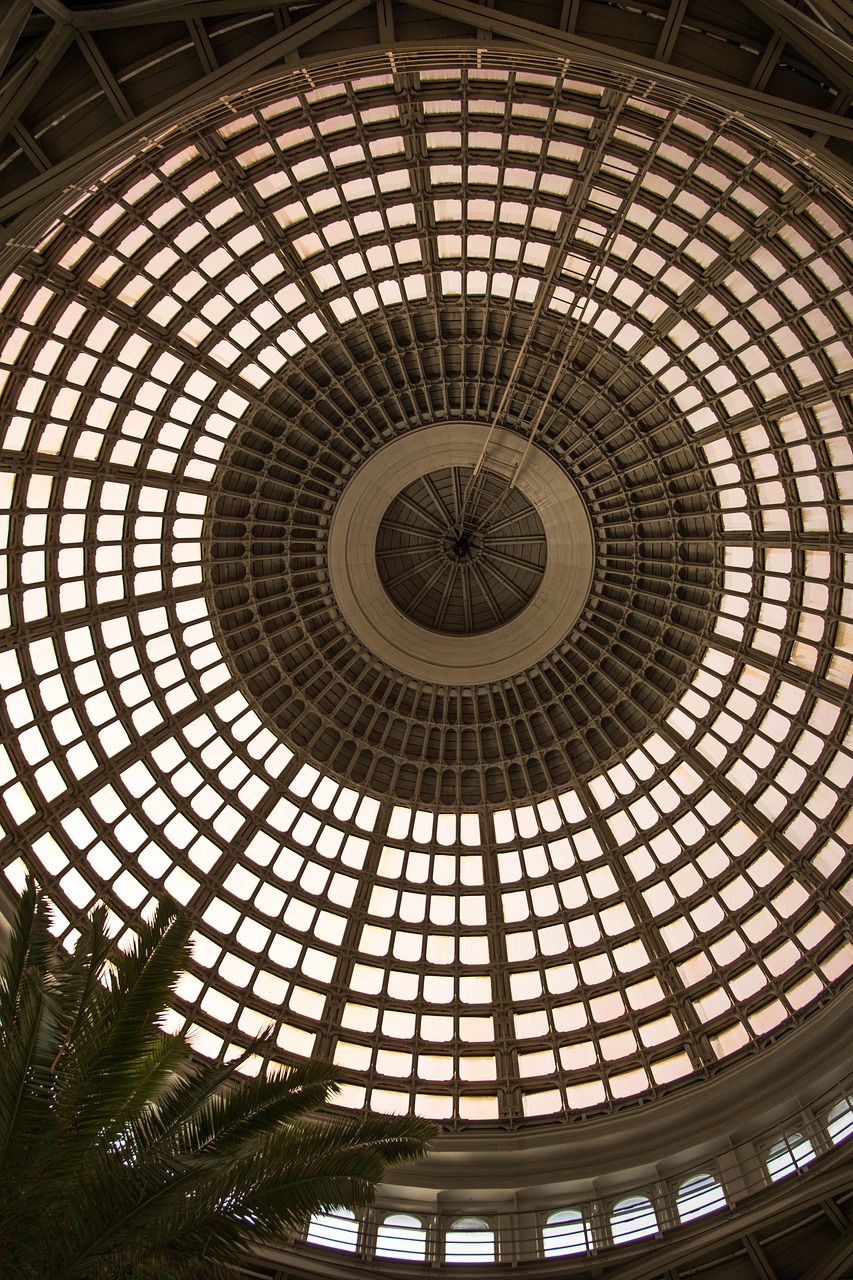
{"type": "Point", "coordinates": [27, 946]}
{"type": "Point", "coordinates": [113, 1045]}
{"type": "Point", "coordinates": [141, 1159]}
{"type": "Point", "coordinates": [233, 1118]}
{"type": "Point", "coordinates": [159, 1076]}
{"type": "Point", "coordinates": [80, 976]}
{"type": "Point", "coordinates": [30, 1030]}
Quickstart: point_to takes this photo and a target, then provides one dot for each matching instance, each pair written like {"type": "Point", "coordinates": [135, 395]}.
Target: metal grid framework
{"type": "Point", "coordinates": [633, 868]}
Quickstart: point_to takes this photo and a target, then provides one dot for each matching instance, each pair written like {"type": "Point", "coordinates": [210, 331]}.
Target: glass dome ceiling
{"type": "Point", "coordinates": [547, 894]}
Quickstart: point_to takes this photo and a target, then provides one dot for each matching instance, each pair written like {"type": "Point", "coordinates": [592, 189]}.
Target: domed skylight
{"type": "Point", "coordinates": [568, 887]}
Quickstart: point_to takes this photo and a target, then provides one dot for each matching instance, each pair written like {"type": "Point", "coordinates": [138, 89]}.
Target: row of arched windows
{"type": "Point", "coordinates": [473, 1239]}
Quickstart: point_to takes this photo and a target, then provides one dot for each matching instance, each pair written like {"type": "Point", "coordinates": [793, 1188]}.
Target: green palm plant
{"type": "Point", "coordinates": [122, 1157]}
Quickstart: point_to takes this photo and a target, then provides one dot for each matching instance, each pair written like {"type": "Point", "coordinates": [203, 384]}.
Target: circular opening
{"type": "Point", "coordinates": [426, 576]}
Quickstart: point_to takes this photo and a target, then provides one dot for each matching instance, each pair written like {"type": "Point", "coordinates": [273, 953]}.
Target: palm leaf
{"type": "Point", "coordinates": [232, 1117]}
{"type": "Point", "coordinates": [80, 976]}
{"type": "Point", "coordinates": [141, 1159]}
{"type": "Point", "coordinates": [29, 1030]}
{"type": "Point", "coordinates": [114, 1043]}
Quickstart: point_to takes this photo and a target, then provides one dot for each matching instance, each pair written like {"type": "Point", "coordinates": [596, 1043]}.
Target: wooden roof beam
{"type": "Point", "coordinates": [104, 76]}
{"type": "Point", "coordinates": [31, 73]}
{"type": "Point", "coordinates": [140, 13]}
{"type": "Point", "coordinates": [203, 47]}
{"type": "Point", "coordinates": [838, 13]}
{"type": "Point", "coordinates": [11, 25]}
{"type": "Point", "coordinates": [227, 79]}
{"type": "Point", "coordinates": [671, 28]}
{"type": "Point", "coordinates": [828, 52]}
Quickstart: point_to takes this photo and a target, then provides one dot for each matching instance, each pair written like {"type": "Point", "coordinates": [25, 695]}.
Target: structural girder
{"type": "Point", "coordinates": [803, 63]}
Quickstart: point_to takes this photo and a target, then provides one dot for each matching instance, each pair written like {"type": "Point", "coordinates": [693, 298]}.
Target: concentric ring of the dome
{"type": "Point", "coordinates": [687, 881]}
{"type": "Point", "coordinates": [291, 577]}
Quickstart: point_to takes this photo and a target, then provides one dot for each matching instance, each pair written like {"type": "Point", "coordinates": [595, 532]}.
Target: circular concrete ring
{"type": "Point", "coordinates": [474, 659]}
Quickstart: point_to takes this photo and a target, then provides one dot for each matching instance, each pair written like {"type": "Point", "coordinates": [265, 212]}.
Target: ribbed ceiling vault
{"type": "Point", "coordinates": [123, 64]}
{"type": "Point", "coordinates": [210, 346]}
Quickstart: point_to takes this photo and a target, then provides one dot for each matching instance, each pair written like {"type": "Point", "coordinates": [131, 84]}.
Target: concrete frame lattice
{"type": "Point", "coordinates": [519, 901]}
{"type": "Point", "coordinates": [249, 369]}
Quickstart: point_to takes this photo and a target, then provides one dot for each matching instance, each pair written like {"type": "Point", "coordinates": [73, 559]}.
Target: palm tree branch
{"type": "Point", "coordinates": [133, 1149]}
{"type": "Point", "coordinates": [231, 1117]}
{"type": "Point", "coordinates": [80, 975]}
{"type": "Point", "coordinates": [30, 1028]}
{"type": "Point", "coordinates": [113, 1045]}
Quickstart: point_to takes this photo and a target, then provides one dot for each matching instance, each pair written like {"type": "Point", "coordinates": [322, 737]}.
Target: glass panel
{"type": "Point", "coordinates": [789, 1154]}
{"type": "Point", "coordinates": [469, 1240]}
{"type": "Point", "coordinates": [334, 1230]}
{"type": "Point", "coordinates": [839, 1122]}
{"type": "Point", "coordinates": [698, 1196]}
{"type": "Point", "coordinates": [401, 1236]}
{"type": "Point", "coordinates": [632, 1219]}
{"type": "Point", "coordinates": [565, 1232]}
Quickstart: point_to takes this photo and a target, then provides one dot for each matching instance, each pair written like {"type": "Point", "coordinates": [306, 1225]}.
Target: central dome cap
{"type": "Point", "coordinates": [412, 634]}
{"type": "Point", "coordinates": [461, 551]}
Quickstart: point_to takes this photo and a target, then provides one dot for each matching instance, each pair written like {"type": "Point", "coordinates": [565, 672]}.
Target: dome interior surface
{"type": "Point", "coordinates": [461, 553]}
{"type": "Point", "coordinates": [530, 899]}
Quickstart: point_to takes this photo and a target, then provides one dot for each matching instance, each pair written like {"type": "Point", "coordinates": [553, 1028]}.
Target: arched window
{"type": "Point", "coordinates": [632, 1218]}
{"type": "Point", "coordinates": [789, 1154]}
{"type": "Point", "coordinates": [337, 1230]}
{"type": "Point", "coordinates": [469, 1240]}
{"type": "Point", "coordinates": [839, 1122]}
{"type": "Point", "coordinates": [699, 1195]}
{"type": "Point", "coordinates": [401, 1235]}
{"type": "Point", "coordinates": [565, 1232]}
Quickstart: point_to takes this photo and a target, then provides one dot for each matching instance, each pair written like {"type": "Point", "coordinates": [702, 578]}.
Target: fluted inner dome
{"type": "Point", "coordinates": [461, 554]}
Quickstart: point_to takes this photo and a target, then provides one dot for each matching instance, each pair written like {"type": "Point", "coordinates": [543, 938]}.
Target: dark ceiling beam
{"type": "Point", "coordinates": [836, 1262]}
{"type": "Point", "coordinates": [842, 105]}
{"type": "Point", "coordinates": [385, 21]}
{"type": "Point", "coordinates": [827, 51]}
{"type": "Point", "coordinates": [724, 92]}
{"type": "Point", "coordinates": [11, 25]}
{"type": "Point", "coordinates": [767, 63]}
{"type": "Point", "coordinates": [23, 68]}
{"type": "Point", "coordinates": [837, 12]}
{"type": "Point", "coordinates": [203, 47]}
{"type": "Point", "coordinates": [56, 10]}
{"type": "Point", "coordinates": [758, 1258]}
{"type": "Point", "coordinates": [104, 76]}
{"type": "Point", "coordinates": [836, 1217]}
{"type": "Point", "coordinates": [228, 79]}
{"type": "Point", "coordinates": [150, 12]}
{"type": "Point", "coordinates": [569, 15]}
{"type": "Point", "coordinates": [671, 28]}
{"type": "Point", "coordinates": [30, 74]}
{"type": "Point", "coordinates": [30, 147]}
